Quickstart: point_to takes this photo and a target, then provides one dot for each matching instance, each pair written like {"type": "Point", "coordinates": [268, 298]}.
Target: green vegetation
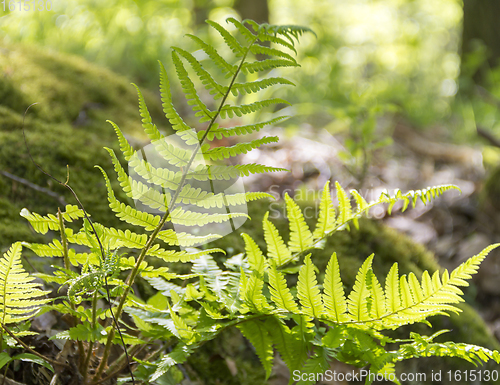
{"type": "Point", "coordinates": [272, 292]}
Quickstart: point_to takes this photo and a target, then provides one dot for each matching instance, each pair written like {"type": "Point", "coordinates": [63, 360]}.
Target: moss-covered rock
{"type": "Point", "coordinates": [66, 128]}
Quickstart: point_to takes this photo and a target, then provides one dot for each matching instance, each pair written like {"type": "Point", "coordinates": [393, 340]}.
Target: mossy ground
{"type": "Point", "coordinates": [66, 128]}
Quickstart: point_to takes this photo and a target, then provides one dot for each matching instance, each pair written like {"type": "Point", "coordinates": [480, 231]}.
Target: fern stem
{"type": "Point", "coordinates": [67, 266]}
{"type": "Point", "coordinates": [20, 342]}
{"type": "Point", "coordinates": [152, 237]}
{"type": "Point", "coordinates": [91, 343]}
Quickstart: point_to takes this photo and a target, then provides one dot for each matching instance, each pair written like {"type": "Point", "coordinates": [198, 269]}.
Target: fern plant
{"type": "Point", "coordinates": [308, 324]}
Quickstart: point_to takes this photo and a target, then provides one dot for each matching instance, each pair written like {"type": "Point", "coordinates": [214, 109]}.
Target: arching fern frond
{"type": "Point", "coordinates": [20, 297]}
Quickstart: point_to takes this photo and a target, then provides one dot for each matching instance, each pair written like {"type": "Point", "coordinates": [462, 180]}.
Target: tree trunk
{"type": "Point", "coordinates": [481, 25]}
{"type": "Point", "coordinates": [256, 10]}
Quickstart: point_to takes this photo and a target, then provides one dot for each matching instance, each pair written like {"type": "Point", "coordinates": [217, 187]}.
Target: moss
{"type": "Point", "coordinates": [67, 128]}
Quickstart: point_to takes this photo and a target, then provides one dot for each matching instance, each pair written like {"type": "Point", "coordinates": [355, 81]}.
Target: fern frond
{"type": "Point", "coordinates": [254, 254]}
{"type": "Point", "coordinates": [333, 292]}
{"type": "Point", "coordinates": [226, 68]}
{"type": "Point", "coordinates": [251, 292]}
{"type": "Point", "coordinates": [280, 293]}
{"type": "Point", "coordinates": [258, 85]}
{"type": "Point", "coordinates": [301, 237]}
{"type": "Point", "coordinates": [207, 80]}
{"type": "Point", "coordinates": [276, 248]}
{"type": "Point", "coordinates": [425, 195]}
{"type": "Point", "coordinates": [326, 219]}
{"type": "Point", "coordinates": [308, 291]}
{"type": "Point", "coordinates": [392, 296]}
{"type": "Point", "coordinates": [268, 64]}
{"type": "Point", "coordinates": [190, 218]}
{"type": "Point", "coordinates": [357, 300]}
{"type": "Point", "coordinates": [190, 93]}
{"type": "Point", "coordinates": [376, 301]}
{"type": "Point", "coordinates": [180, 256]}
{"type": "Point", "coordinates": [231, 42]}
{"type": "Point", "coordinates": [20, 297]}
{"type": "Point", "coordinates": [219, 153]}
{"type": "Point", "coordinates": [247, 34]}
{"type": "Point", "coordinates": [147, 123]}
{"type": "Point", "coordinates": [42, 224]}
{"type": "Point", "coordinates": [177, 356]}
{"type": "Point", "coordinates": [262, 342]}
{"type": "Point", "coordinates": [127, 213]}
{"type": "Point", "coordinates": [220, 132]}
{"type": "Point", "coordinates": [245, 109]}
{"type": "Point", "coordinates": [345, 210]}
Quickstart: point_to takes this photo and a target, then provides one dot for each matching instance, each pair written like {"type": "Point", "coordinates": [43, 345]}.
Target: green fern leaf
{"type": "Point", "coordinates": [276, 248]}
{"type": "Point", "coordinates": [207, 80]}
{"type": "Point", "coordinates": [357, 300]}
{"type": "Point", "coordinates": [392, 296]}
{"type": "Point", "coordinates": [190, 93]}
{"type": "Point", "coordinates": [280, 294]}
{"type": "Point", "coordinates": [219, 153]}
{"type": "Point", "coordinates": [20, 297]}
{"type": "Point", "coordinates": [252, 87]}
{"type": "Point", "coordinates": [226, 68]}
{"type": "Point", "coordinates": [301, 237]}
{"type": "Point", "coordinates": [220, 132]}
{"type": "Point", "coordinates": [254, 254]}
{"type": "Point", "coordinates": [231, 42]}
{"type": "Point", "coordinates": [345, 210]}
{"type": "Point", "coordinates": [245, 109]}
{"type": "Point", "coordinates": [42, 224]}
{"type": "Point", "coordinates": [314, 365]}
{"type": "Point", "coordinates": [326, 220]}
{"type": "Point", "coordinates": [333, 296]}
{"type": "Point", "coordinates": [262, 342]}
{"type": "Point", "coordinates": [376, 304]}
{"type": "Point", "coordinates": [308, 291]}
{"type": "Point", "coordinates": [177, 356]}
{"type": "Point", "coordinates": [268, 64]}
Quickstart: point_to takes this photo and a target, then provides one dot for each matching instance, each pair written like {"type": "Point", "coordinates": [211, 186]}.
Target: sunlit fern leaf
{"type": "Point", "coordinates": [20, 297]}
{"type": "Point", "coordinates": [207, 80]}
{"type": "Point", "coordinates": [177, 356]}
{"type": "Point", "coordinates": [254, 254]}
{"type": "Point", "coordinates": [357, 300]}
{"type": "Point", "coordinates": [392, 295]}
{"type": "Point", "coordinates": [190, 218]}
{"type": "Point", "coordinates": [190, 93]}
{"type": "Point", "coordinates": [182, 330]}
{"type": "Point", "coordinates": [213, 275]}
{"type": "Point", "coordinates": [326, 219]}
{"type": "Point", "coordinates": [229, 39]}
{"type": "Point", "coordinates": [280, 293]}
{"type": "Point", "coordinates": [219, 153]}
{"type": "Point", "coordinates": [137, 190]}
{"type": "Point", "coordinates": [171, 114]}
{"type": "Point", "coordinates": [425, 195]}
{"type": "Point", "coordinates": [376, 300]}
{"type": "Point", "coordinates": [301, 237]}
{"type": "Point", "coordinates": [214, 172]}
{"type": "Point", "coordinates": [41, 224]}
{"type": "Point", "coordinates": [127, 213]}
{"type": "Point", "coordinates": [251, 292]}
{"type": "Point", "coordinates": [307, 290]}
{"type": "Point", "coordinates": [333, 292]}
{"type": "Point", "coordinates": [245, 109]}
{"type": "Point", "coordinates": [53, 249]}
{"type": "Point", "coordinates": [276, 248]}
{"type": "Point", "coordinates": [345, 210]}
{"type": "Point", "coordinates": [220, 132]}
{"type": "Point", "coordinates": [258, 85]}
{"type": "Point", "coordinates": [180, 256]}
{"type": "Point", "coordinates": [268, 64]}
{"type": "Point", "coordinates": [226, 68]}
{"type": "Point", "coordinates": [245, 32]}
{"type": "Point", "coordinates": [262, 342]}
{"type": "Point", "coordinates": [263, 50]}
{"type": "Point", "coordinates": [173, 238]}
{"type": "Point", "coordinates": [147, 123]}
